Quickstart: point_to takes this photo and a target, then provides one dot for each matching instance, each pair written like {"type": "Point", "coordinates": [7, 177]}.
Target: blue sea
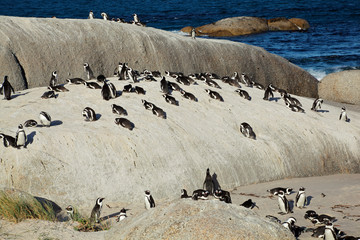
{"type": "Point", "coordinates": [332, 44]}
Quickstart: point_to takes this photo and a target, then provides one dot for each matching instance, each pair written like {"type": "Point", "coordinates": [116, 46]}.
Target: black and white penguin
{"type": "Point", "coordinates": [147, 105]}
{"type": "Point", "coordinates": [246, 80]}
{"type": "Point", "coordinates": [184, 194]}
{"type": "Point", "coordinates": [96, 211]}
{"type": "Point", "coordinates": [128, 88]}
{"type": "Point", "coordinates": [294, 108]}
{"type": "Point", "coordinates": [132, 75]}
{"type": "Point", "coordinates": [208, 184]}
{"type": "Point", "coordinates": [214, 95]}
{"type": "Point", "coordinates": [101, 78]}
{"type": "Point", "coordinates": [122, 215]}
{"type": "Point", "coordinates": [173, 74]}
{"type": "Point", "coordinates": [149, 201]}
{"type": "Point", "coordinates": [89, 114]}
{"type": "Point", "coordinates": [249, 204]}
{"type": "Point", "coordinates": [174, 86]}
{"type": "Point", "coordinates": [53, 79]}
{"type": "Point", "coordinates": [291, 100]}
{"type": "Point", "coordinates": [158, 111]}
{"type": "Point", "coordinates": [247, 130]}
{"type": "Point", "coordinates": [222, 195]}
{"type": "Point", "coordinates": [268, 93]}
{"type": "Point", "coordinates": [8, 140]}
{"type": "Point", "coordinates": [139, 90]}
{"type": "Point", "coordinates": [300, 200]}
{"type": "Point", "coordinates": [200, 194]}
{"type": "Point", "coordinates": [322, 219]}
{"type": "Point", "coordinates": [105, 16]}
{"type": "Point", "coordinates": [20, 139]}
{"type": "Point", "coordinates": [76, 81]}
{"type": "Point", "coordinates": [164, 86]}
{"type": "Point", "coordinates": [290, 224]}
{"type": "Point", "coordinates": [125, 123]}
{"type": "Point", "coordinates": [276, 190]}
{"type": "Point", "coordinates": [183, 80]}
{"type": "Point", "coordinates": [273, 219]}
{"type": "Point", "coordinates": [92, 85]}
{"type": "Point", "coordinates": [317, 104]}
{"type": "Point", "coordinates": [118, 110]}
{"type": "Point", "coordinates": [170, 99]}
{"type": "Point", "coordinates": [257, 85]}
{"type": "Point", "coordinates": [208, 81]}
{"type": "Point", "coordinates": [58, 88]}
{"type": "Point", "coordinates": [45, 119]}
{"type": "Point", "coordinates": [89, 73]}
{"type": "Point", "coordinates": [193, 33]}
{"type": "Point", "coordinates": [188, 95]}
{"type": "Point", "coordinates": [283, 203]}
{"type": "Point", "coordinates": [49, 94]}
{"type": "Point", "coordinates": [136, 18]}
{"type": "Point", "coordinates": [30, 123]}
{"type": "Point", "coordinates": [6, 89]}
{"type": "Point", "coordinates": [343, 115]}
{"type": "Point", "coordinates": [329, 233]}
{"type": "Point", "coordinates": [91, 15]}
{"type": "Point", "coordinates": [310, 214]}
{"type": "Point", "coordinates": [70, 211]}
{"type": "Point", "coordinates": [243, 94]}
{"type": "Point", "coordinates": [123, 71]}
{"type": "Point", "coordinates": [149, 78]}
{"type": "Point", "coordinates": [108, 91]}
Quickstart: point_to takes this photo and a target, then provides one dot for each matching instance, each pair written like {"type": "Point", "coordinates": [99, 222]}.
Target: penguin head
{"type": "Point", "coordinates": [289, 190]}
{"type": "Point", "coordinates": [207, 91]}
{"type": "Point", "coordinates": [123, 210]}
{"type": "Point", "coordinates": [291, 220]}
{"type": "Point", "coordinates": [20, 126]}
{"type": "Point", "coordinates": [147, 192]}
{"type": "Point", "coordinates": [54, 73]}
{"type": "Point", "coordinates": [86, 64]}
{"type": "Point", "coordinates": [69, 208]}
{"type": "Point", "coordinates": [5, 78]}
{"type": "Point", "coordinates": [301, 189]}
{"type": "Point", "coordinates": [99, 201]}
{"type": "Point", "coordinates": [343, 109]}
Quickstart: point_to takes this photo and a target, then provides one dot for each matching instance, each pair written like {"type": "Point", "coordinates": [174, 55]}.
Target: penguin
{"type": "Point", "coordinates": [236, 77]}
{"type": "Point", "coordinates": [300, 200]}
{"type": "Point", "coordinates": [96, 211]}
{"type": "Point", "coordinates": [246, 80]}
{"type": "Point", "coordinates": [101, 78]}
{"type": "Point", "coordinates": [329, 233]}
{"type": "Point", "coordinates": [124, 123]}
{"type": "Point", "coordinates": [49, 94]}
{"type": "Point", "coordinates": [243, 94]}
{"type": "Point", "coordinates": [88, 71]}
{"type": "Point", "coordinates": [321, 219]}
{"type": "Point", "coordinates": [222, 195]}
{"type": "Point", "coordinates": [118, 110]}
{"type": "Point", "coordinates": [76, 81]}
{"type": "Point", "coordinates": [290, 224]}
{"type": "Point", "coordinates": [136, 18]}
{"type": "Point", "coordinates": [53, 79]}
{"type": "Point", "coordinates": [231, 82]}
{"type": "Point", "coordinates": [164, 86]}
{"type": "Point", "coordinates": [70, 211]}
{"type": "Point", "coordinates": [273, 219]}
{"type": "Point", "coordinates": [184, 194]}
{"type": "Point", "coordinates": [152, 73]}
{"type": "Point", "coordinates": [174, 86]}
{"type": "Point", "coordinates": [193, 33]}
{"type": "Point", "coordinates": [294, 108]}
{"type": "Point", "coordinates": [310, 214]}
{"type": "Point", "coordinates": [8, 140]}
{"type": "Point", "coordinates": [89, 114]}
{"type": "Point", "coordinates": [123, 71]}
{"type": "Point", "coordinates": [147, 105]}
{"type": "Point", "coordinates": [257, 85]}
{"type": "Point", "coordinates": [188, 95]}
{"type": "Point", "coordinates": [122, 215]}
{"type": "Point", "coordinates": [214, 95]}
{"type": "Point", "coordinates": [108, 91]}
{"type": "Point", "coordinates": [92, 85]}
{"type": "Point", "coordinates": [58, 88]}
{"type": "Point", "coordinates": [200, 194]}
{"type": "Point", "coordinates": [173, 74]}
{"type": "Point", "coordinates": [139, 90]}
{"type": "Point", "coordinates": [181, 79]}
{"type": "Point", "coordinates": [247, 130]}
{"type": "Point", "coordinates": [208, 184]}
{"type": "Point", "coordinates": [276, 190]}
{"type": "Point", "coordinates": [170, 99]}
{"type": "Point", "coordinates": [30, 123]}
{"type": "Point", "coordinates": [291, 100]}
{"type": "Point", "coordinates": [132, 75]}
{"type": "Point", "coordinates": [105, 16]}
{"type": "Point", "coordinates": [210, 82]}
{"type": "Point", "coordinates": [158, 111]}
{"type": "Point", "coordinates": [20, 139]}
{"type": "Point", "coordinates": [283, 203]}
{"type": "Point", "coordinates": [343, 115]}
{"type": "Point", "coordinates": [149, 201]}
{"type": "Point", "coordinates": [249, 204]}
{"type": "Point", "coordinates": [6, 89]}
{"type": "Point", "coordinates": [317, 104]}
{"type": "Point", "coordinates": [128, 88]}
{"type": "Point", "coordinates": [45, 119]}
{"type": "Point", "coordinates": [91, 15]}
{"type": "Point", "coordinates": [149, 78]}
{"type": "Point", "coordinates": [268, 93]}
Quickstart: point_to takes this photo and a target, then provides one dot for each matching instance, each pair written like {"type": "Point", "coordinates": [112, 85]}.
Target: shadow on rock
{"type": "Point", "coordinates": [56, 123]}
{"type": "Point", "coordinates": [30, 137]}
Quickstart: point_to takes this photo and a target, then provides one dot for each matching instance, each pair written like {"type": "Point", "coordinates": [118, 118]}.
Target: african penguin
{"type": "Point", "coordinates": [91, 15]}
{"type": "Point", "coordinates": [30, 123]}
{"type": "Point", "coordinates": [122, 215]}
{"type": "Point", "coordinates": [88, 71]}
{"type": "Point", "coordinates": [276, 190]}
{"type": "Point", "coordinates": [136, 18]}
{"type": "Point", "coordinates": [89, 114]}
{"type": "Point", "coordinates": [105, 16]}
{"type": "Point", "coordinates": [222, 195]}
{"type": "Point", "coordinates": [108, 91]}
{"type": "Point", "coordinates": [247, 130]}
{"type": "Point", "coordinates": [300, 200]}
{"type": "Point", "coordinates": [124, 123]}
{"type": "Point", "coordinates": [49, 94]}
{"type": "Point", "coordinates": [132, 75]}
{"type": "Point", "coordinates": [246, 80]}
{"type": "Point", "coordinates": [118, 110]}
{"type": "Point", "coordinates": [291, 100]}
{"type": "Point", "coordinates": [101, 78]}
{"type": "Point", "coordinates": [53, 79]}
{"type": "Point", "coordinates": [45, 119]}
{"type": "Point", "coordinates": [58, 88]}
{"type": "Point", "coordinates": [164, 86]}
{"type": "Point", "coordinates": [243, 94]}
{"type": "Point", "coordinates": [208, 184]}
{"type": "Point", "coordinates": [214, 95]}
{"type": "Point", "coordinates": [249, 204]}
{"type": "Point", "coordinates": [20, 138]}
{"type": "Point", "coordinates": [183, 80]}
{"type": "Point", "coordinates": [188, 95]}
{"type": "Point", "coordinates": [149, 201]}
{"type": "Point", "coordinates": [6, 89]}
{"type": "Point", "coordinates": [343, 115]}
{"type": "Point", "coordinates": [257, 85]}
{"type": "Point", "coordinates": [184, 194]}
{"type": "Point", "coordinates": [170, 99]}
{"type": "Point", "coordinates": [268, 93]}
{"type": "Point", "coordinates": [210, 82]}
{"type": "Point", "coordinates": [329, 233]}
{"type": "Point", "coordinates": [92, 85]}
{"type": "Point", "coordinates": [200, 194]}
{"type": "Point", "coordinates": [317, 104]}
{"type": "Point", "coordinates": [123, 71]}
{"type": "Point", "coordinates": [273, 219]}
{"type": "Point", "coordinates": [139, 90]}
{"type": "Point", "coordinates": [193, 33]}
{"type": "Point", "coordinates": [158, 111]}
{"type": "Point", "coordinates": [128, 88]}
{"type": "Point", "coordinates": [294, 108]}
{"type": "Point", "coordinates": [70, 211]}
{"type": "Point", "coordinates": [147, 105]}
{"type": "Point", "coordinates": [174, 86]}
{"type": "Point", "coordinates": [283, 203]}
{"type": "Point", "coordinates": [8, 140]}
{"type": "Point", "coordinates": [75, 81]}
{"type": "Point", "coordinates": [96, 211]}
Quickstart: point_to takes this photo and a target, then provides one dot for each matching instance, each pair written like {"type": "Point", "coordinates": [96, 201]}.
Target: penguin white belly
{"type": "Point", "coordinates": [301, 202]}
{"type": "Point", "coordinates": [328, 235]}
{"type": "Point", "coordinates": [282, 205]}
{"type": "Point", "coordinates": [147, 202]}
{"type": "Point", "coordinates": [21, 140]}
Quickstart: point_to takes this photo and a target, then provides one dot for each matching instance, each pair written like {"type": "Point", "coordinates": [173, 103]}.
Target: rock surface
{"type": "Point", "coordinates": [341, 87]}
{"type": "Point", "coordinates": [32, 48]}
{"type": "Point", "coordinates": [188, 219]}
{"type": "Point", "coordinates": [283, 24]}
{"type": "Point", "coordinates": [75, 162]}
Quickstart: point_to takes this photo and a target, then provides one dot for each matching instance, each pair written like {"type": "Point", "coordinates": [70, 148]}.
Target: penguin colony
{"type": "Point", "coordinates": [170, 89]}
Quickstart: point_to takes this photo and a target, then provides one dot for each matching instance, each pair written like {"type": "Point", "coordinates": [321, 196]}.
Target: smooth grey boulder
{"type": "Point", "coordinates": [35, 47]}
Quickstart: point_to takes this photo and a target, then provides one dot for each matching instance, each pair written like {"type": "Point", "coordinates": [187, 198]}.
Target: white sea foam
{"type": "Point", "coordinates": [180, 32]}
{"type": "Point", "coordinates": [317, 73]}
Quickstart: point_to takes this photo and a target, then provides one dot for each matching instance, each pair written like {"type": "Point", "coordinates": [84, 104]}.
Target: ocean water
{"type": "Point", "coordinates": [332, 44]}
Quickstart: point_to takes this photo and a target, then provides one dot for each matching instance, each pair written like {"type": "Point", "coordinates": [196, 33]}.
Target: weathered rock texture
{"type": "Point", "coordinates": [237, 26]}
{"type": "Point", "coordinates": [32, 48]}
{"type": "Point", "coordinates": [188, 219]}
{"type": "Point", "coordinates": [341, 87]}
{"type": "Point", "coordinates": [75, 162]}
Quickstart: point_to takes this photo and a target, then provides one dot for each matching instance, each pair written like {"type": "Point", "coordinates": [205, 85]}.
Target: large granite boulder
{"type": "Point", "coordinates": [188, 219]}
{"type": "Point", "coordinates": [32, 48]}
{"type": "Point", "coordinates": [283, 24]}
{"type": "Point", "coordinates": [341, 87]}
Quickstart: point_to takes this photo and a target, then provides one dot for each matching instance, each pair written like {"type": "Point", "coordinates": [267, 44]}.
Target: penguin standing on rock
{"type": "Point", "coordinates": [193, 33]}
{"type": "Point", "coordinates": [300, 200]}
{"type": "Point", "coordinates": [6, 89]}
{"type": "Point", "coordinates": [283, 203]}
{"type": "Point", "coordinates": [122, 215]}
{"type": "Point", "coordinates": [20, 138]}
{"type": "Point", "coordinates": [89, 114]}
{"type": "Point", "coordinates": [317, 104]}
{"type": "Point", "coordinates": [208, 182]}
{"type": "Point", "coordinates": [45, 119]}
{"type": "Point", "coordinates": [343, 115]}
{"type": "Point", "coordinates": [108, 91]}
{"type": "Point", "coordinates": [268, 93]}
{"type": "Point", "coordinates": [53, 79]}
{"type": "Point", "coordinates": [96, 211]}
{"type": "Point", "coordinates": [149, 201]}
{"type": "Point", "coordinates": [88, 71]}
{"type": "Point", "coordinates": [8, 140]}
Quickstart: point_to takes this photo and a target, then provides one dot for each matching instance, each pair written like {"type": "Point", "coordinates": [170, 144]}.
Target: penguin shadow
{"type": "Point", "coordinates": [276, 99]}
{"type": "Point", "coordinates": [46, 203]}
{"type": "Point", "coordinates": [118, 93]}
{"type": "Point", "coordinates": [17, 95]}
{"type": "Point", "coordinates": [347, 120]}
{"type": "Point", "coordinates": [56, 123]}
{"type": "Point", "coordinates": [98, 116]}
{"type": "Point", "coordinates": [308, 200]}
{"type": "Point", "coordinates": [322, 111]}
{"type": "Point", "coordinates": [215, 181]}
{"type": "Point", "coordinates": [291, 205]}
{"type": "Point", "coordinates": [30, 137]}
